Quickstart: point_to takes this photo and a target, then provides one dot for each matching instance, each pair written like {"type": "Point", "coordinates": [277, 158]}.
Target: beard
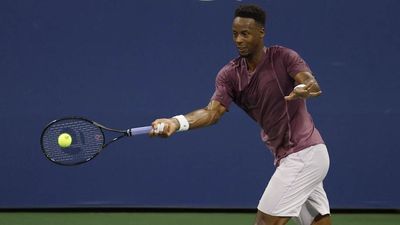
{"type": "Point", "coordinates": [244, 52]}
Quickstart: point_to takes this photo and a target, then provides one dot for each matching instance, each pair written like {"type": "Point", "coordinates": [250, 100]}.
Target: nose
{"type": "Point", "coordinates": [238, 39]}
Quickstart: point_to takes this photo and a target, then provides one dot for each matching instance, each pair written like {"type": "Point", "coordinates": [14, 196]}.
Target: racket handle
{"type": "Point", "coordinates": [139, 130]}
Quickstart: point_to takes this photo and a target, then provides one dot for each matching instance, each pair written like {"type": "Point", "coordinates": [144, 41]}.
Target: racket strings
{"type": "Point", "coordinates": [87, 141]}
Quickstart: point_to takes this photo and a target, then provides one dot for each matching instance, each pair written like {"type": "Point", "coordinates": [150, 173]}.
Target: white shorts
{"type": "Point", "coordinates": [296, 189]}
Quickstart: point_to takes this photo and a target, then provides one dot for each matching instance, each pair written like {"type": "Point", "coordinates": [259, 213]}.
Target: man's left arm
{"type": "Point", "coordinates": [307, 86]}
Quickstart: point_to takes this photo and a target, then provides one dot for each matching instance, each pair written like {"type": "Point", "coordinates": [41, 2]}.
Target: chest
{"type": "Point", "coordinates": [266, 87]}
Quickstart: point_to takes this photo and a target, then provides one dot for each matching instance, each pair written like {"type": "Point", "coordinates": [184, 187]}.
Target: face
{"type": "Point", "coordinates": [247, 35]}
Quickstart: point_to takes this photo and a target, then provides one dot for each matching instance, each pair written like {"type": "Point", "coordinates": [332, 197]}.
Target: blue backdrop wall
{"type": "Point", "coordinates": [125, 63]}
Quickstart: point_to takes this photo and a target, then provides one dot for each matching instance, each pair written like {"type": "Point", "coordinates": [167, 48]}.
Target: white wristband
{"type": "Point", "coordinates": [183, 122]}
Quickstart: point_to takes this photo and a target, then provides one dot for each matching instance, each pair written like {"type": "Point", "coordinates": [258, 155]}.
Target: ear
{"type": "Point", "coordinates": [262, 32]}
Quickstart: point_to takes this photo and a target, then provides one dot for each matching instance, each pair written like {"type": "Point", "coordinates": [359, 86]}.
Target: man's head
{"type": "Point", "coordinates": [248, 29]}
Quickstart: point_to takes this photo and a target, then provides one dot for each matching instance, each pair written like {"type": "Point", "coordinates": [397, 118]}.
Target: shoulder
{"type": "Point", "coordinates": [286, 56]}
{"type": "Point", "coordinates": [229, 69]}
{"type": "Point", "coordinates": [281, 51]}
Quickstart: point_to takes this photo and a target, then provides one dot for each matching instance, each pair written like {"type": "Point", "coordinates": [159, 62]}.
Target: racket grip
{"type": "Point", "coordinates": [140, 130]}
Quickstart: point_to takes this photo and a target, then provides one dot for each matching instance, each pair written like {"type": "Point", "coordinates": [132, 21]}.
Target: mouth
{"type": "Point", "coordinates": [242, 50]}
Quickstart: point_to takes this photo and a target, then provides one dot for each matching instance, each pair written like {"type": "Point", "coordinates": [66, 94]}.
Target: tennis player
{"type": "Point", "coordinates": [271, 85]}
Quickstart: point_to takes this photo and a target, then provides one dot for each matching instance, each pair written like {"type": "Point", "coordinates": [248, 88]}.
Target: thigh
{"type": "Point", "coordinates": [294, 181]}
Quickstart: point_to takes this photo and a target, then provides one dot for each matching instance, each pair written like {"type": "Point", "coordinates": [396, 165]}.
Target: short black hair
{"type": "Point", "coordinates": [251, 11]}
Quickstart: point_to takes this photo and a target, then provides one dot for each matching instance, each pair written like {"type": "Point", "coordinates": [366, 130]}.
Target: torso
{"type": "Point", "coordinates": [287, 127]}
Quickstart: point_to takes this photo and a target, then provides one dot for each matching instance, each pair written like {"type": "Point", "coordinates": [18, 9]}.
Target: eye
{"type": "Point", "coordinates": [245, 34]}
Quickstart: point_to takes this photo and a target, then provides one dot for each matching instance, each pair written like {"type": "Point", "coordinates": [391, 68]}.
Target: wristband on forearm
{"type": "Point", "coordinates": [183, 122]}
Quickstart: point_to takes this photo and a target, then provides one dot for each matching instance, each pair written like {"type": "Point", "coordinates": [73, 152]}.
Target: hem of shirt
{"type": "Point", "coordinates": [298, 149]}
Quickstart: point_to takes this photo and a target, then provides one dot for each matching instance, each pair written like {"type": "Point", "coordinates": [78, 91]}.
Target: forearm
{"type": "Point", "coordinates": [202, 118]}
{"type": "Point", "coordinates": [207, 116]}
{"type": "Point", "coordinates": [307, 87]}
{"type": "Point", "coordinates": [312, 83]}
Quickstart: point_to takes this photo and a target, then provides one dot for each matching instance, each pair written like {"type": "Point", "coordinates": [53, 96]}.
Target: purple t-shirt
{"type": "Point", "coordinates": [287, 127]}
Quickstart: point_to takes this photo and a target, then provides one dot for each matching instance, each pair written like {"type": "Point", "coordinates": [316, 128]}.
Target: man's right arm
{"type": "Point", "coordinates": [199, 118]}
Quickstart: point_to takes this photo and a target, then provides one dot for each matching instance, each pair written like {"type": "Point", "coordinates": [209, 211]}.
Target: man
{"type": "Point", "coordinates": [270, 85]}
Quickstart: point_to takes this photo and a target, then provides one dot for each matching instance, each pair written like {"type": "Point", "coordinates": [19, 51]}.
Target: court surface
{"type": "Point", "coordinates": [170, 218]}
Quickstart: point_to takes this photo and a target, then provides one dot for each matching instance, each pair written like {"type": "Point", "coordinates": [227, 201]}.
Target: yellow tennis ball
{"type": "Point", "coordinates": [64, 140]}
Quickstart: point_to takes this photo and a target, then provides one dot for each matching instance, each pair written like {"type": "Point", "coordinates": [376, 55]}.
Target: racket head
{"type": "Point", "coordinates": [87, 141]}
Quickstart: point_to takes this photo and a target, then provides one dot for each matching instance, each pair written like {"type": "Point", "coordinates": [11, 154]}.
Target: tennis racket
{"type": "Point", "coordinates": [88, 139]}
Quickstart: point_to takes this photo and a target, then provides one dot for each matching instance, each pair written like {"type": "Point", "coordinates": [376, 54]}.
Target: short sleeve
{"type": "Point", "coordinates": [294, 63]}
{"type": "Point", "coordinates": [223, 89]}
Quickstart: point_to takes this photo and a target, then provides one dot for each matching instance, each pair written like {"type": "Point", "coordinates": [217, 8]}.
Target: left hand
{"type": "Point", "coordinates": [304, 91]}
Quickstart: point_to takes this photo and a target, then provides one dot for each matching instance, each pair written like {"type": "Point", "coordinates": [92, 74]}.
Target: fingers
{"type": "Point", "coordinates": [162, 128]}
{"type": "Point", "coordinates": [303, 91]}
{"type": "Point", "coordinates": [291, 96]}
{"type": "Point", "coordinates": [159, 128]}
{"type": "Point", "coordinates": [311, 87]}
{"type": "Point", "coordinates": [315, 94]}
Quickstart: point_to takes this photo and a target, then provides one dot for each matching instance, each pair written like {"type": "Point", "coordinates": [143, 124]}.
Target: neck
{"type": "Point", "coordinates": [254, 59]}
